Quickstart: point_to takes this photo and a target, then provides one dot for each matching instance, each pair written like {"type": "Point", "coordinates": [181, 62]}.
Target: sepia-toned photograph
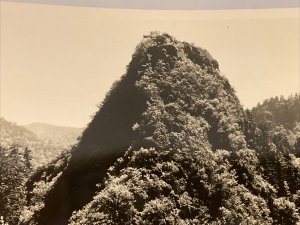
{"type": "Point", "coordinates": [128, 116]}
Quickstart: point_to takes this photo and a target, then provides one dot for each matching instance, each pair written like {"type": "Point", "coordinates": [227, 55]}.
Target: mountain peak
{"type": "Point", "coordinates": [161, 47]}
{"type": "Point", "coordinates": [172, 102]}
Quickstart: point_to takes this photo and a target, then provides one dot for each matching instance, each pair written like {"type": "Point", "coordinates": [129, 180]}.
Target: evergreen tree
{"type": "Point", "coordinates": [14, 171]}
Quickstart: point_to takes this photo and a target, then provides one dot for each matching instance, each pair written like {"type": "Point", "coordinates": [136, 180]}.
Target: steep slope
{"type": "Point", "coordinates": [151, 154]}
{"type": "Point", "coordinates": [164, 77]}
{"type": "Point", "coordinates": [58, 135]}
{"type": "Point", "coordinates": [12, 134]}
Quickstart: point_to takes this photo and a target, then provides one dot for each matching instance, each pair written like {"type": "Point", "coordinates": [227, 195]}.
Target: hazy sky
{"type": "Point", "coordinates": [58, 62]}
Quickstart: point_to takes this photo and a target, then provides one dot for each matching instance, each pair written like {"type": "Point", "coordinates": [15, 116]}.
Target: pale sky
{"type": "Point", "coordinates": [58, 62]}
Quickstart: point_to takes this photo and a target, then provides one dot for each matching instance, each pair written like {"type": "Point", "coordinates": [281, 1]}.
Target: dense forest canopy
{"type": "Point", "coordinates": [15, 167]}
{"type": "Point", "coordinates": [171, 144]}
{"type": "Point", "coordinates": [278, 111]}
{"type": "Point", "coordinates": [280, 115]}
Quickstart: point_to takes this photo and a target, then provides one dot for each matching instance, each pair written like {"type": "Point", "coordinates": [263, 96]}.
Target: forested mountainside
{"type": "Point", "coordinates": [280, 114]}
{"type": "Point", "coordinates": [170, 144]}
{"type": "Point", "coordinates": [59, 135]}
{"type": "Point", "coordinates": [15, 168]}
{"type": "Point", "coordinates": [42, 151]}
{"type": "Point", "coordinates": [278, 111]}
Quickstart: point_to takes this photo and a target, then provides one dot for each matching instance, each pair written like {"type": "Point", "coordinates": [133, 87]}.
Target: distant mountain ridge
{"type": "Point", "coordinates": [59, 135]}
{"type": "Point", "coordinates": [13, 134]}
